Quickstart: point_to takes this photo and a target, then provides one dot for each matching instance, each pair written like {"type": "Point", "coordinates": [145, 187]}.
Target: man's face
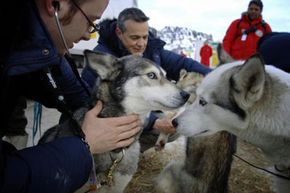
{"type": "Point", "coordinates": [78, 27]}
{"type": "Point", "coordinates": [135, 38]}
{"type": "Point", "coordinates": [254, 11]}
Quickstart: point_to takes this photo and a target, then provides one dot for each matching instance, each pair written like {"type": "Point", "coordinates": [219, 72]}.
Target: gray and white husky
{"type": "Point", "coordinates": [127, 85]}
{"type": "Point", "coordinates": [250, 100]}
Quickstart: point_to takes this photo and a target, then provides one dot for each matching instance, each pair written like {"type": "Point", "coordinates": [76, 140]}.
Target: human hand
{"type": "Point", "coordinates": [164, 125]}
{"type": "Point", "coordinates": [106, 134]}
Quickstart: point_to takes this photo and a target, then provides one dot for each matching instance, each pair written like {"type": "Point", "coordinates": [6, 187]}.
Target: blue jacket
{"type": "Point", "coordinates": [274, 48]}
{"type": "Point", "coordinates": [171, 62]}
{"type": "Point", "coordinates": [62, 165]}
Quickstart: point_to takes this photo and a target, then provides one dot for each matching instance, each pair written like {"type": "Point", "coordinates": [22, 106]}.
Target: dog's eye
{"type": "Point", "coordinates": [152, 75]}
{"type": "Point", "coordinates": [202, 102]}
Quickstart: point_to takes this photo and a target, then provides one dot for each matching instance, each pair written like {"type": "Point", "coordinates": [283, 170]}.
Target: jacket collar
{"type": "Point", "coordinates": [252, 22]}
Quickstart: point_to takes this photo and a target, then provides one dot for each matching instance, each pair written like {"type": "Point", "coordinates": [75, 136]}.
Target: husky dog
{"type": "Point", "coordinates": [205, 169]}
{"type": "Point", "coordinates": [127, 85]}
{"type": "Point", "coordinates": [250, 100]}
{"type": "Point", "coordinates": [188, 81]}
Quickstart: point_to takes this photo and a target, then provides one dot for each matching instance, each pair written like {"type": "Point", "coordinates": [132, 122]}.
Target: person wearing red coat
{"type": "Point", "coordinates": [242, 36]}
{"type": "Point", "coordinates": [205, 54]}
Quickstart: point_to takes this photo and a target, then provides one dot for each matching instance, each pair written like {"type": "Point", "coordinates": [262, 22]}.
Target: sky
{"type": "Point", "coordinates": [212, 16]}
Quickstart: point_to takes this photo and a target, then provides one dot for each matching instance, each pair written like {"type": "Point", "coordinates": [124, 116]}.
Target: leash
{"type": "Point", "coordinates": [263, 169]}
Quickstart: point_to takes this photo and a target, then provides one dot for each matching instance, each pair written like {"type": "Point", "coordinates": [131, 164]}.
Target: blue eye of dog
{"type": "Point", "coordinates": [202, 102]}
{"type": "Point", "coordinates": [152, 75]}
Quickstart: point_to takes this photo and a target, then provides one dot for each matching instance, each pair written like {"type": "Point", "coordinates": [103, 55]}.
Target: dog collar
{"type": "Point", "coordinates": [109, 178]}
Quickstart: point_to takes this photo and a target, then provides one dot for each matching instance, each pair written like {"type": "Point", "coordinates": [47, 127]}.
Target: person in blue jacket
{"type": "Point", "coordinates": [274, 48]}
{"type": "Point", "coordinates": [32, 64]}
{"type": "Point", "coordinates": [129, 34]}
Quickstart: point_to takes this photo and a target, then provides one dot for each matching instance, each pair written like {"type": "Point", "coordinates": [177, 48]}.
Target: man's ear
{"type": "Point", "coordinates": [118, 32]}
{"type": "Point", "coordinates": [51, 6]}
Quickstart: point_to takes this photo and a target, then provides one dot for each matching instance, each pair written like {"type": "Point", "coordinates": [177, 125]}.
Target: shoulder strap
{"type": "Point", "coordinates": [254, 27]}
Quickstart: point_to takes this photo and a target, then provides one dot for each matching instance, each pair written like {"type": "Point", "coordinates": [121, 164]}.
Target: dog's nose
{"type": "Point", "coordinates": [174, 123]}
{"type": "Point", "coordinates": [185, 95]}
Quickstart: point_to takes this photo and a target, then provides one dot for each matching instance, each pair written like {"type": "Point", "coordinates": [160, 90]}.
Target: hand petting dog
{"type": "Point", "coordinates": [111, 133]}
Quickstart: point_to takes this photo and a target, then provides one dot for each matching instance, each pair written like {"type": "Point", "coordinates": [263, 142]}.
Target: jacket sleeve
{"type": "Point", "coordinates": [172, 63]}
{"type": "Point", "coordinates": [230, 36]}
{"type": "Point", "coordinates": [151, 120]}
{"type": "Point", "coordinates": [62, 166]}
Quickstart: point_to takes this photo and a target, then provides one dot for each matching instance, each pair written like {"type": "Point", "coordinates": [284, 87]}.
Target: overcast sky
{"type": "Point", "coordinates": [211, 16]}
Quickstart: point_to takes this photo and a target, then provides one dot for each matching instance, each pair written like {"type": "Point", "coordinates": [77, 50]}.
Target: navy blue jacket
{"type": "Point", "coordinates": [274, 48]}
{"type": "Point", "coordinates": [62, 165]}
{"type": "Point", "coordinates": [171, 62]}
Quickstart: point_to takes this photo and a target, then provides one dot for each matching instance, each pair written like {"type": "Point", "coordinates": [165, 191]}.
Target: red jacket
{"type": "Point", "coordinates": [205, 53]}
{"type": "Point", "coordinates": [239, 45]}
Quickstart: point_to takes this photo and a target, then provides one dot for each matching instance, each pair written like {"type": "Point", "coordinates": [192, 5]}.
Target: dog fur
{"type": "Point", "coordinates": [188, 81]}
{"type": "Point", "coordinates": [249, 99]}
{"type": "Point", "coordinates": [223, 56]}
{"type": "Point", "coordinates": [127, 85]}
{"type": "Point", "coordinates": [205, 169]}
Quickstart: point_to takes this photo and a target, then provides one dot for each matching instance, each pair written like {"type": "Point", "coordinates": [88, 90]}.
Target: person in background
{"type": "Point", "coordinates": [274, 48]}
{"type": "Point", "coordinates": [205, 54]}
{"type": "Point", "coordinates": [33, 66]}
{"type": "Point", "coordinates": [130, 34]}
{"type": "Point", "coordinates": [242, 36]}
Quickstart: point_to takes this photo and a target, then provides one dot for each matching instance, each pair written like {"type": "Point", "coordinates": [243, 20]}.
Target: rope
{"type": "Point", "coordinates": [36, 120]}
{"type": "Point", "coordinates": [263, 169]}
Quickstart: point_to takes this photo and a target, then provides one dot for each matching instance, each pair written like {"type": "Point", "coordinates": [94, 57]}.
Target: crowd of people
{"type": "Point", "coordinates": [36, 64]}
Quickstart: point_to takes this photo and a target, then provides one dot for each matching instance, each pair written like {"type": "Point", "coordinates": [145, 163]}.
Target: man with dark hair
{"type": "Point", "coordinates": [241, 38]}
{"type": "Point", "coordinates": [130, 34]}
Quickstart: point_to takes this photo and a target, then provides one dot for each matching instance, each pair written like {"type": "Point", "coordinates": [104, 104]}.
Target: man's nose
{"type": "Point", "coordinates": [141, 42]}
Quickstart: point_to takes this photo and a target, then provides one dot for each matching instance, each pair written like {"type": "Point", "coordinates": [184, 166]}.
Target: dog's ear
{"type": "Point", "coordinates": [102, 64]}
{"type": "Point", "coordinates": [182, 74]}
{"type": "Point", "coordinates": [249, 82]}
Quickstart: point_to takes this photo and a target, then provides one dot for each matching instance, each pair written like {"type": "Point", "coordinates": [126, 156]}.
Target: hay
{"type": "Point", "coordinates": [243, 178]}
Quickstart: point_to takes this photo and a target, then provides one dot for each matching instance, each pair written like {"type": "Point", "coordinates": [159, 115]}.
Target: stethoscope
{"type": "Point", "coordinates": [69, 58]}
{"type": "Point", "coordinates": [55, 4]}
